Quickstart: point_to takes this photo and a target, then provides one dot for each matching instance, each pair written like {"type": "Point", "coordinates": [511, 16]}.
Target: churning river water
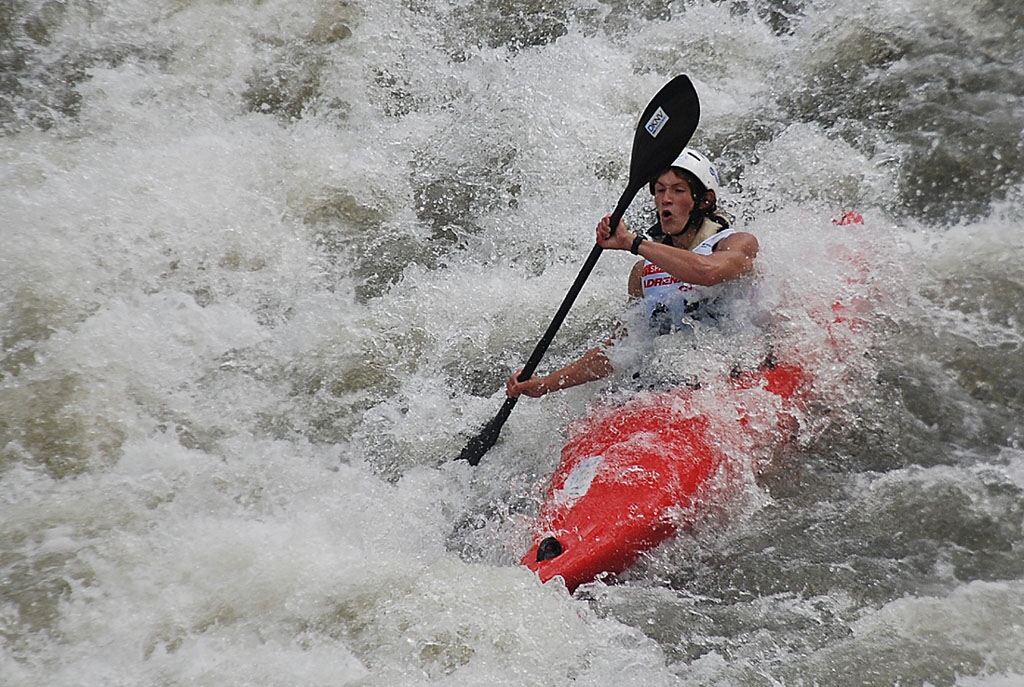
{"type": "Point", "coordinates": [265, 267]}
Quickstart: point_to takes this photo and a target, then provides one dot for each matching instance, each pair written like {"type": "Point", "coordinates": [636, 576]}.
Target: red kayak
{"type": "Point", "coordinates": [628, 472]}
{"type": "Point", "coordinates": [630, 475]}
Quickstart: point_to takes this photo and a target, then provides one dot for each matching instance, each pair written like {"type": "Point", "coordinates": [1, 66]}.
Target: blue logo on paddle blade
{"type": "Point", "coordinates": [656, 123]}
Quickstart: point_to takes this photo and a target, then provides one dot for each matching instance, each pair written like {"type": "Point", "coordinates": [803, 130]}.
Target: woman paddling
{"type": "Point", "coordinates": [688, 265]}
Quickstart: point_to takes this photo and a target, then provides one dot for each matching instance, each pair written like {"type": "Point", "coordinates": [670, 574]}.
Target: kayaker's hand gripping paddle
{"type": "Point", "coordinates": [664, 130]}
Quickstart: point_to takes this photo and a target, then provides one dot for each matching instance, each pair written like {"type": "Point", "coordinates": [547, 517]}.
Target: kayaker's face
{"type": "Point", "coordinates": [674, 201]}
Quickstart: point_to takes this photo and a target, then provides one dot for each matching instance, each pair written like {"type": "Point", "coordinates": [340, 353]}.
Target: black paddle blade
{"type": "Point", "coordinates": [665, 128]}
{"type": "Point", "coordinates": [482, 442]}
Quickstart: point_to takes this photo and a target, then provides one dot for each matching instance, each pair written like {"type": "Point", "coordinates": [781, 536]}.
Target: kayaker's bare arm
{"type": "Point", "coordinates": [732, 257]}
{"type": "Point", "coordinates": [593, 365]}
{"type": "Point", "coordinates": [636, 288]}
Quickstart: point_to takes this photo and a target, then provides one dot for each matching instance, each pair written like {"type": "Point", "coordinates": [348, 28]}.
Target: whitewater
{"type": "Point", "coordinates": [266, 266]}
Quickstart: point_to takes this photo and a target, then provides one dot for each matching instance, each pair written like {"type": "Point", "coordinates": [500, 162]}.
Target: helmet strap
{"type": "Point", "coordinates": [697, 216]}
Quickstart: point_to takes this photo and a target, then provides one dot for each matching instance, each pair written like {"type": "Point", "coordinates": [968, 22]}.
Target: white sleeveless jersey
{"type": "Point", "coordinates": [670, 301]}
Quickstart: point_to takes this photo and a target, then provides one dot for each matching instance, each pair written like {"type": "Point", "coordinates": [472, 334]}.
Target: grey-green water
{"type": "Point", "coordinates": [266, 265]}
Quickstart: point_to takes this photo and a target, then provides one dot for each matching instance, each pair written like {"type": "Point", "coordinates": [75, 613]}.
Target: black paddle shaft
{"type": "Point", "coordinates": [664, 130]}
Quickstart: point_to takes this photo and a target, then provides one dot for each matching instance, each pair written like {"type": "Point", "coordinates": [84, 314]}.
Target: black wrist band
{"type": "Point", "coordinates": [635, 248]}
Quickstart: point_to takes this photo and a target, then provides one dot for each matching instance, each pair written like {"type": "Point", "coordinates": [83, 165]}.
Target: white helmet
{"type": "Point", "coordinates": [699, 166]}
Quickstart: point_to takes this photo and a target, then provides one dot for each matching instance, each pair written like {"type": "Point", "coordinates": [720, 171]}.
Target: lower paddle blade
{"type": "Point", "coordinates": [488, 436]}
{"type": "Point", "coordinates": [480, 444]}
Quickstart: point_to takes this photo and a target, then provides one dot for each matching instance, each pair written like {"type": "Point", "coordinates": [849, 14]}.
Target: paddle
{"type": "Point", "coordinates": [664, 129]}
